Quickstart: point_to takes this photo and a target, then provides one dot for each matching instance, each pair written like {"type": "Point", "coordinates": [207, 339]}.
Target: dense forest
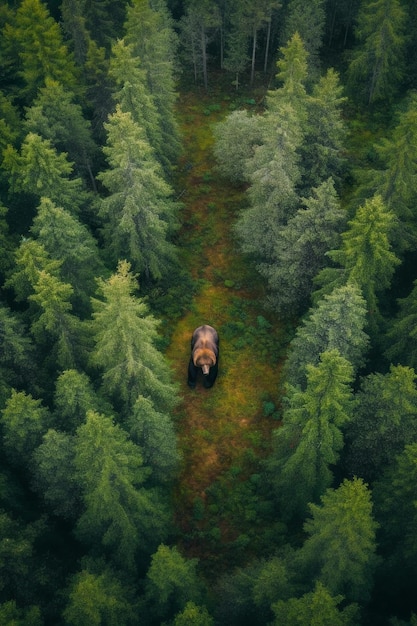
{"type": "Point", "coordinates": [250, 165]}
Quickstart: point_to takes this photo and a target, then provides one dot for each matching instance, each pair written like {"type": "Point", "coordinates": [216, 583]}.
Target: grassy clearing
{"type": "Point", "coordinates": [223, 431]}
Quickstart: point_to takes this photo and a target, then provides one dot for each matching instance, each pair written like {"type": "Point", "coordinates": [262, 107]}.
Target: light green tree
{"type": "Point", "coordinates": [120, 517]}
{"type": "Point", "coordinates": [98, 598]}
{"type": "Point", "coordinates": [318, 607]}
{"type": "Point", "coordinates": [139, 213]}
{"type": "Point", "coordinates": [172, 582]}
{"type": "Point", "coordinates": [236, 138]}
{"type": "Point", "coordinates": [12, 615]}
{"type": "Point", "coordinates": [24, 421]}
{"type": "Point", "coordinates": [340, 550]}
{"type": "Point", "coordinates": [377, 64]}
{"type": "Point", "coordinates": [366, 256]}
{"type": "Point", "coordinates": [310, 439]}
{"type": "Point", "coordinates": [193, 615]}
{"type": "Point", "coordinates": [125, 335]}
{"type": "Point", "coordinates": [43, 172]}
{"type": "Point", "coordinates": [68, 241]}
{"type": "Point", "coordinates": [308, 20]}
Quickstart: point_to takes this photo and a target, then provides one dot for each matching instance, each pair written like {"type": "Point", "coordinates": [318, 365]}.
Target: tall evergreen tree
{"type": "Point", "coordinates": [125, 351]}
{"type": "Point", "coordinates": [41, 171]}
{"type": "Point", "coordinates": [385, 420]}
{"type": "Point", "coordinates": [16, 368]}
{"type": "Point", "coordinates": [308, 20]}
{"type": "Point", "coordinates": [366, 257]}
{"type": "Point", "coordinates": [120, 517]}
{"type": "Point", "coordinates": [150, 31]}
{"type": "Point", "coordinates": [70, 242]}
{"type": "Point", "coordinates": [310, 439]}
{"type": "Point", "coordinates": [200, 19]}
{"type": "Point", "coordinates": [336, 322]}
{"type": "Point", "coordinates": [300, 249]}
{"type": "Point", "coordinates": [401, 339]}
{"type": "Point", "coordinates": [41, 50]}
{"type": "Point", "coordinates": [340, 550]}
{"type": "Point", "coordinates": [138, 213]}
{"type": "Point", "coordinates": [377, 64]}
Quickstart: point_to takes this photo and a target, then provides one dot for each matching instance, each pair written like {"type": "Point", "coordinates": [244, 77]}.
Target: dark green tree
{"type": "Point", "coordinates": [120, 517]}
{"type": "Point", "coordinates": [125, 335]}
{"type": "Point", "coordinates": [336, 322]}
{"type": "Point", "coordinates": [55, 116]}
{"type": "Point", "coordinates": [16, 367]}
{"type": "Point", "coordinates": [201, 19]}
{"type": "Point", "coordinates": [149, 29]}
{"type": "Point", "coordinates": [41, 50]}
{"type": "Point", "coordinates": [54, 474]}
{"type": "Point", "coordinates": [154, 432]}
{"type": "Point", "coordinates": [310, 439]}
{"type": "Point", "coordinates": [385, 419]}
{"type": "Point", "coordinates": [300, 250]}
{"type": "Point", "coordinates": [68, 241]}
{"type": "Point", "coordinates": [139, 214]}
{"type": "Point", "coordinates": [377, 64]}
{"type": "Point", "coordinates": [340, 550]}
{"type": "Point", "coordinates": [401, 338]}
{"type": "Point", "coordinates": [12, 615]}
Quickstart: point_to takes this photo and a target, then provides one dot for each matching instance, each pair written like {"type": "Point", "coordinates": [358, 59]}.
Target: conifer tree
{"type": "Point", "coordinates": [41, 51]}
{"type": "Point", "coordinates": [401, 339]}
{"type": "Point", "coordinates": [300, 249]}
{"type": "Point", "coordinates": [43, 172]}
{"type": "Point", "coordinates": [150, 31]}
{"type": "Point", "coordinates": [69, 242]}
{"type": "Point", "coordinates": [139, 214]}
{"type": "Point", "coordinates": [125, 352]}
{"type": "Point", "coordinates": [383, 423]}
{"type": "Point", "coordinates": [340, 550]}
{"type": "Point", "coordinates": [310, 439]}
{"type": "Point", "coordinates": [336, 322]}
{"type": "Point", "coordinates": [120, 517]}
{"type": "Point", "coordinates": [377, 64]}
{"type": "Point", "coordinates": [16, 367]}
{"type": "Point", "coordinates": [366, 257]}
{"type": "Point", "coordinates": [308, 20]}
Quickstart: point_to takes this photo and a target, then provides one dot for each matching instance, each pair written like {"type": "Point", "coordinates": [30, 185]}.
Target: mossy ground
{"type": "Point", "coordinates": [224, 431]}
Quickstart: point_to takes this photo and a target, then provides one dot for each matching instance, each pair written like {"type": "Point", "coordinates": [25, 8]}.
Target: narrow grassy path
{"type": "Point", "coordinates": [223, 430]}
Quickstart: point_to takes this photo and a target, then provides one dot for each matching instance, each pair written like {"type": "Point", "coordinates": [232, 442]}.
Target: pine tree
{"type": "Point", "coordinates": [300, 250]}
{"type": "Point", "coordinates": [310, 439]}
{"type": "Point", "coordinates": [41, 51]}
{"type": "Point", "coordinates": [336, 322]}
{"type": "Point", "coordinates": [308, 20]}
{"type": "Point", "coordinates": [125, 335]}
{"type": "Point", "coordinates": [377, 63]}
{"type": "Point", "coordinates": [366, 256]}
{"type": "Point", "coordinates": [16, 368]}
{"type": "Point", "coordinates": [402, 337]}
{"type": "Point", "coordinates": [139, 213]}
{"type": "Point", "coordinates": [383, 423]}
{"type": "Point", "coordinates": [340, 550]}
{"type": "Point", "coordinates": [120, 516]}
{"type": "Point", "coordinates": [150, 31]}
{"type": "Point", "coordinates": [68, 241]}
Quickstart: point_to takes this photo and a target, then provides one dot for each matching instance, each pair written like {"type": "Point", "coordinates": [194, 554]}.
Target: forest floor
{"type": "Point", "coordinates": [223, 431]}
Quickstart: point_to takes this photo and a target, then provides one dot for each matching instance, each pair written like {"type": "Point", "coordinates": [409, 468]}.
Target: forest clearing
{"type": "Point", "coordinates": [229, 425]}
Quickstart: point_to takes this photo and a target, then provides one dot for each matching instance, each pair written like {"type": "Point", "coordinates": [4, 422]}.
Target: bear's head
{"type": "Point", "coordinates": [205, 359]}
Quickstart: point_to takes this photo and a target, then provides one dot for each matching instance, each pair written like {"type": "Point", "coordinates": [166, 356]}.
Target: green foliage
{"type": "Point", "coordinates": [120, 516]}
{"type": "Point", "coordinates": [340, 550]}
{"type": "Point", "coordinates": [12, 615]}
{"type": "Point", "coordinates": [24, 421]}
{"type": "Point", "coordinates": [318, 607]}
{"type": "Point", "coordinates": [193, 615]}
{"type": "Point", "coordinates": [377, 63]}
{"type": "Point", "coordinates": [125, 335]}
{"type": "Point", "coordinates": [17, 353]}
{"type": "Point", "coordinates": [98, 598]}
{"type": "Point", "coordinates": [310, 439]}
{"type": "Point", "coordinates": [383, 422]}
{"type": "Point", "coordinates": [172, 582]}
{"type": "Point", "coordinates": [308, 21]}
{"type": "Point", "coordinates": [235, 140]}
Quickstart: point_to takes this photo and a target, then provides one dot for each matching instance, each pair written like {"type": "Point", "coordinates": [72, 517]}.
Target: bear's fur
{"type": "Point", "coordinates": [204, 356]}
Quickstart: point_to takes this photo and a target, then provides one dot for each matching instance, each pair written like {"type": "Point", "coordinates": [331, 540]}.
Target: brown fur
{"type": "Point", "coordinates": [204, 356]}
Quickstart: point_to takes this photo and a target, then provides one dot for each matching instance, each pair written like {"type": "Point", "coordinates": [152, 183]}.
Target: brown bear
{"type": "Point", "coordinates": [204, 356]}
